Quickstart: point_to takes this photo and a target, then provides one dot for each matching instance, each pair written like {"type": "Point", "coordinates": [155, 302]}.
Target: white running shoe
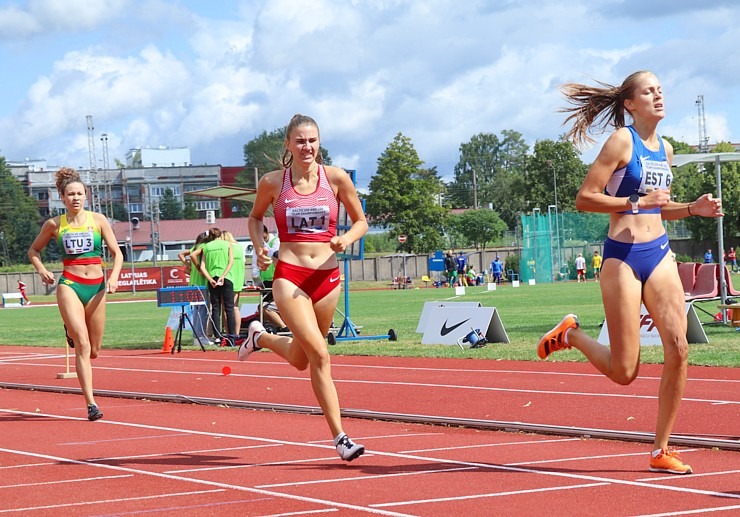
{"type": "Point", "coordinates": [347, 449]}
{"type": "Point", "coordinates": [250, 344]}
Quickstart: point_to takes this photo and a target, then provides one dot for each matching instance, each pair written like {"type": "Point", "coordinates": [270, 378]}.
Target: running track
{"type": "Point", "coordinates": [187, 459]}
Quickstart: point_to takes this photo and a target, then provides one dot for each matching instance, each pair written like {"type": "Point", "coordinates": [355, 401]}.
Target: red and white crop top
{"type": "Point", "coordinates": [306, 217]}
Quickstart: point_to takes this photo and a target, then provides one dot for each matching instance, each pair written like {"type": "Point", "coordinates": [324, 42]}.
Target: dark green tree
{"type": "Point", "coordinates": [170, 208]}
{"type": "Point", "coordinates": [477, 227]}
{"type": "Point", "coordinates": [190, 212]}
{"type": "Point", "coordinates": [404, 198]}
{"type": "Point", "coordinates": [489, 174]}
{"type": "Point", "coordinates": [692, 181]}
{"type": "Point", "coordinates": [119, 212]}
{"type": "Point", "coordinates": [554, 162]}
{"type": "Point", "coordinates": [19, 218]}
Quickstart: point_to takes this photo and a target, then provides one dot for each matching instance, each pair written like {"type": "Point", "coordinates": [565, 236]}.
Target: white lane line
{"type": "Point", "coordinates": [181, 453]}
{"type": "Point", "coordinates": [250, 465]}
{"type": "Point", "coordinates": [479, 445]}
{"type": "Point", "coordinates": [113, 440]}
{"type": "Point", "coordinates": [674, 477]}
{"type": "Point", "coordinates": [692, 512]}
{"type": "Point", "coordinates": [482, 496]}
{"type": "Point", "coordinates": [582, 458]}
{"type": "Point", "coordinates": [490, 466]}
{"type": "Point", "coordinates": [412, 384]}
{"type": "Point", "coordinates": [60, 481]}
{"type": "Point", "coordinates": [417, 385]}
{"type": "Point", "coordinates": [365, 478]}
{"type": "Point", "coordinates": [107, 501]}
{"type": "Point", "coordinates": [216, 484]}
{"type": "Point", "coordinates": [24, 465]}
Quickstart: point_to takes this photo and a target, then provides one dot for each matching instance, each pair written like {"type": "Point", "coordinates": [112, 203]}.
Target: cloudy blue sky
{"type": "Point", "coordinates": [211, 75]}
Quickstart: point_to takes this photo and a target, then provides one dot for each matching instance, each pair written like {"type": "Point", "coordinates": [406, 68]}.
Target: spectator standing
{"type": "Point", "coordinates": [497, 269]}
{"type": "Point", "coordinates": [196, 279]}
{"type": "Point", "coordinates": [236, 275]}
{"type": "Point", "coordinates": [450, 268]}
{"type": "Point", "coordinates": [596, 263]}
{"type": "Point", "coordinates": [272, 243]}
{"type": "Point", "coordinates": [708, 257]}
{"type": "Point", "coordinates": [732, 259]}
{"type": "Point", "coordinates": [217, 261]}
{"type": "Point", "coordinates": [461, 263]}
{"type": "Point", "coordinates": [580, 267]}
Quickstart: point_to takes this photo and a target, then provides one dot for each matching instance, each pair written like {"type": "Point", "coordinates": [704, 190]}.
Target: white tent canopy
{"type": "Point", "coordinates": [716, 158]}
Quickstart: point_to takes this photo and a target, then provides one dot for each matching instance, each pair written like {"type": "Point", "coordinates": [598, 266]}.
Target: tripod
{"type": "Point", "coordinates": [181, 325]}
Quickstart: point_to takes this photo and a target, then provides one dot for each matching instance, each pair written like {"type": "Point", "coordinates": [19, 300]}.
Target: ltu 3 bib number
{"type": "Point", "coordinates": [76, 243]}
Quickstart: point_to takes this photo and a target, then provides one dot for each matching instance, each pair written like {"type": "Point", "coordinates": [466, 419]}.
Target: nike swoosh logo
{"type": "Point", "coordinates": [446, 330]}
{"type": "Point", "coordinates": [662, 246]}
{"type": "Point", "coordinates": [291, 200]}
{"type": "Point", "coordinates": [333, 279]}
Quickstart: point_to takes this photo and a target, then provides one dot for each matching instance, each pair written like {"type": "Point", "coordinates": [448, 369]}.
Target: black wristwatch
{"type": "Point", "coordinates": [634, 200]}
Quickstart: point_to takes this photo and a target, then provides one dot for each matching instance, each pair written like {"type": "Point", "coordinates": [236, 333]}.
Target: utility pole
{"type": "Point", "coordinates": [703, 138]}
{"type": "Point", "coordinates": [106, 178]}
{"type": "Point", "coordinates": [93, 177]}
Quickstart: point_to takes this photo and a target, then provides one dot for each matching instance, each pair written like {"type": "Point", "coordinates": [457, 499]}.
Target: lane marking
{"type": "Point", "coordinates": [58, 482]}
{"type": "Point", "coordinates": [482, 496]}
{"type": "Point", "coordinates": [221, 486]}
{"type": "Point", "coordinates": [106, 501]}
{"type": "Point", "coordinates": [489, 466]}
{"type": "Point", "coordinates": [690, 512]}
{"type": "Point", "coordinates": [365, 478]}
{"type": "Point", "coordinates": [475, 446]}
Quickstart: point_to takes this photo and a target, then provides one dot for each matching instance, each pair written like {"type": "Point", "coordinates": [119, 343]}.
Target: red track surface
{"type": "Point", "coordinates": [188, 459]}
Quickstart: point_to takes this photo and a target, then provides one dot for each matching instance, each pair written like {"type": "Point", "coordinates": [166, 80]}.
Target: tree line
{"type": "Point", "coordinates": [495, 180]}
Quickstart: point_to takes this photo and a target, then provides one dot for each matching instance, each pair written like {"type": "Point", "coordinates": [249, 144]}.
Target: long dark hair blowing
{"type": "Point", "coordinates": [297, 121]}
{"type": "Point", "coordinates": [596, 106]}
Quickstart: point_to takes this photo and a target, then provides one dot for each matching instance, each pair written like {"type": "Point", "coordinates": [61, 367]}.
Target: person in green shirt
{"type": "Point", "coordinates": [236, 275]}
{"type": "Point", "coordinates": [215, 265]}
{"type": "Point", "coordinates": [196, 279]}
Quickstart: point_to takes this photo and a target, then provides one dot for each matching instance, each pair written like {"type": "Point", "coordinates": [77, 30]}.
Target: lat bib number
{"type": "Point", "coordinates": [314, 219]}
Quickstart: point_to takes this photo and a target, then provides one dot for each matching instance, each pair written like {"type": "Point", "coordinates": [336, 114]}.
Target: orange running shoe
{"type": "Point", "coordinates": [555, 339]}
{"type": "Point", "coordinates": [669, 460]}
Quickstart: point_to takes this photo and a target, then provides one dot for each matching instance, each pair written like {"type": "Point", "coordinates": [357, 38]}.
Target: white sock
{"type": "Point", "coordinates": [338, 438]}
{"type": "Point", "coordinates": [565, 336]}
{"type": "Point", "coordinates": [657, 452]}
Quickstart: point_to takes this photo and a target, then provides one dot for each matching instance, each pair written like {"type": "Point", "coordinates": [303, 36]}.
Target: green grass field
{"type": "Point", "coordinates": [527, 312]}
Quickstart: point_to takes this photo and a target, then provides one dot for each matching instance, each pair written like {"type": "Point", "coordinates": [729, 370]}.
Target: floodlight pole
{"type": "Point", "coordinates": [557, 223]}
{"type": "Point", "coordinates": [721, 244]}
{"type": "Point", "coordinates": [130, 239]}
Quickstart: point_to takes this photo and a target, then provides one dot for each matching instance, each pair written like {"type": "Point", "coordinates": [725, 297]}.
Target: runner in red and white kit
{"type": "Point", "coordinates": [305, 196]}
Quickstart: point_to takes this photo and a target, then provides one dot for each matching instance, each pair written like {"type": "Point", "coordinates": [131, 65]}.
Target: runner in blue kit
{"type": "Point", "coordinates": [631, 180]}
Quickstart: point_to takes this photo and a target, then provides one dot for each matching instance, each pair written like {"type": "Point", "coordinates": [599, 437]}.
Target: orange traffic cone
{"type": "Point", "coordinates": [169, 340]}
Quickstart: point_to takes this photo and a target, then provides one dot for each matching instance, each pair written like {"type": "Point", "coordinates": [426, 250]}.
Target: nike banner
{"type": "Point", "coordinates": [649, 332]}
{"type": "Point", "coordinates": [446, 325]}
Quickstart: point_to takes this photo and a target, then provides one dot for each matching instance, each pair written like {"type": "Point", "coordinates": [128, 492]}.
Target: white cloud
{"type": "Point", "coordinates": [38, 17]}
{"type": "Point", "coordinates": [214, 75]}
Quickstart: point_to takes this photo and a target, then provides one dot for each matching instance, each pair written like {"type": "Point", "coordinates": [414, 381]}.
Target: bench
{"type": "Point", "coordinates": [734, 313]}
{"type": "Point", "coordinates": [12, 300]}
